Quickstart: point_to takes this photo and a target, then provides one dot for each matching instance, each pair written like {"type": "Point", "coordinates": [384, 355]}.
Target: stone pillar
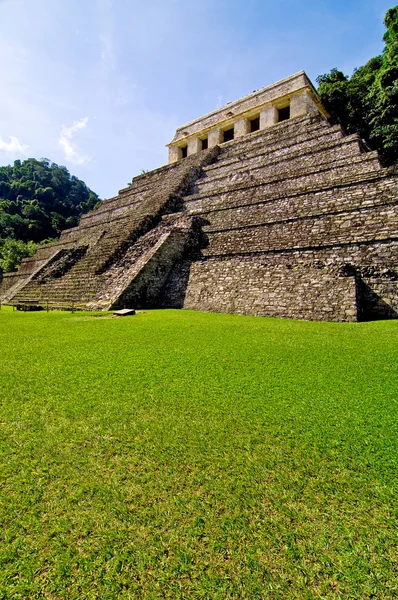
{"type": "Point", "coordinates": [194, 146]}
{"type": "Point", "coordinates": [215, 138]}
{"type": "Point", "coordinates": [302, 105]}
{"type": "Point", "coordinates": [173, 154]}
{"type": "Point", "coordinates": [242, 127]}
{"type": "Point", "coordinates": [268, 117]}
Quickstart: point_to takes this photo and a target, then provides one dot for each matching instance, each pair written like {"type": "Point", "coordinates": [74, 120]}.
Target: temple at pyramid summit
{"type": "Point", "coordinates": [264, 208]}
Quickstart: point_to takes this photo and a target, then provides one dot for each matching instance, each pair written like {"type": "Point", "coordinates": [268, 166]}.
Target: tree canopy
{"type": "Point", "coordinates": [367, 102]}
{"type": "Point", "coordinates": [38, 199]}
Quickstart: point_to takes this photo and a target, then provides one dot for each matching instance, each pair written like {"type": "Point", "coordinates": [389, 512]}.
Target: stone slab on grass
{"type": "Point", "coordinates": [124, 312]}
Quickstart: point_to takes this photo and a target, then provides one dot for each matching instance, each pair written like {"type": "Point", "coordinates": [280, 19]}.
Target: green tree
{"type": "Point", "coordinates": [367, 103]}
{"type": "Point", "coordinates": [13, 251]}
{"type": "Point", "coordinates": [38, 199]}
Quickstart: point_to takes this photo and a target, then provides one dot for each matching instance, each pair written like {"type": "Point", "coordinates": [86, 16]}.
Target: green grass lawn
{"type": "Point", "coordinates": [184, 455]}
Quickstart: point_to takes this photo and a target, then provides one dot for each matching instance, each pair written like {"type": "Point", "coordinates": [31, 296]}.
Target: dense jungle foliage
{"type": "Point", "coordinates": [367, 103]}
{"type": "Point", "coordinates": [38, 199]}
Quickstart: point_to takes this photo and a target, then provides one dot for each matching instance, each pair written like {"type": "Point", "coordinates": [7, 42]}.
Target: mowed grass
{"type": "Point", "coordinates": [183, 455]}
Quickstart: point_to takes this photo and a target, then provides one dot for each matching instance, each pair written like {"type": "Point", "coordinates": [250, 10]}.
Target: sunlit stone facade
{"type": "Point", "coordinates": [289, 98]}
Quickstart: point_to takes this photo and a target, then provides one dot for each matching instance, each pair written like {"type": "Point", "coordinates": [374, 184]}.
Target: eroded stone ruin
{"type": "Point", "coordinates": [265, 208]}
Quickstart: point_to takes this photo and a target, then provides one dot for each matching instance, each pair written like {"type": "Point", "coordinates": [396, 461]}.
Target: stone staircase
{"type": "Point", "coordinates": [138, 275]}
{"type": "Point", "coordinates": [78, 268]}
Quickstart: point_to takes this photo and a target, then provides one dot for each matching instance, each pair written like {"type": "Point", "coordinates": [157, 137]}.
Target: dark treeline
{"type": "Point", "coordinates": [367, 102]}
{"type": "Point", "coordinates": [38, 199]}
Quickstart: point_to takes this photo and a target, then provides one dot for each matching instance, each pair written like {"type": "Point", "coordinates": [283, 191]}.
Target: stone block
{"type": "Point", "coordinates": [194, 146]}
{"type": "Point", "coordinates": [215, 137]}
{"type": "Point", "coordinates": [242, 127]}
{"type": "Point", "coordinates": [302, 105]}
{"type": "Point", "coordinates": [124, 312]}
{"type": "Point", "coordinates": [268, 117]}
{"type": "Point", "coordinates": [173, 154]}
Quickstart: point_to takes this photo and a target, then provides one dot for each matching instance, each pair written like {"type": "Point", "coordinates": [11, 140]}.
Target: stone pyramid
{"type": "Point", "coordinates": [265, 208]}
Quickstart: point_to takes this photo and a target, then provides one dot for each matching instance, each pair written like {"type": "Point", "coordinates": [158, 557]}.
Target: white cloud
{"type": "Point", "coordinates": [14, 146]}
{"type": "Point", "coordinates": [72, 152]}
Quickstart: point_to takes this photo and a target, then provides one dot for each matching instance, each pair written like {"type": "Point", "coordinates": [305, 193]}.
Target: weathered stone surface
{"type": "Point", "coordinates": [295, 91]}
{"type": "Point", "coordinates": [253, 285]}
{"type": "Point", "coordinates": [124, 312]}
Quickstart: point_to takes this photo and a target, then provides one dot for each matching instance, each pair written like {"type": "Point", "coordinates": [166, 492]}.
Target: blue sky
{"type": "Point", "coordinates": [101, 85]}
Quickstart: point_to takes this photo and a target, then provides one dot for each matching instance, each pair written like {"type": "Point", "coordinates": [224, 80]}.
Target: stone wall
{"type": "Point", "coordinates": [9, 280]}
{"type": "Point", "coordinates": [317, 284]}
{"type": "Point", "coordinates": [254, 286]}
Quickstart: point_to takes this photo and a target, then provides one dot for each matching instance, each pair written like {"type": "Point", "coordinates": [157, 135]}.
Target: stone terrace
{"type": "Point", "coordinates": [301, 221]}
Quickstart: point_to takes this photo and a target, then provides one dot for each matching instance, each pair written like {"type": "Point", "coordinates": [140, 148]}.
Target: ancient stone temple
{"type": "Point", "coordinates": [265, 208]}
